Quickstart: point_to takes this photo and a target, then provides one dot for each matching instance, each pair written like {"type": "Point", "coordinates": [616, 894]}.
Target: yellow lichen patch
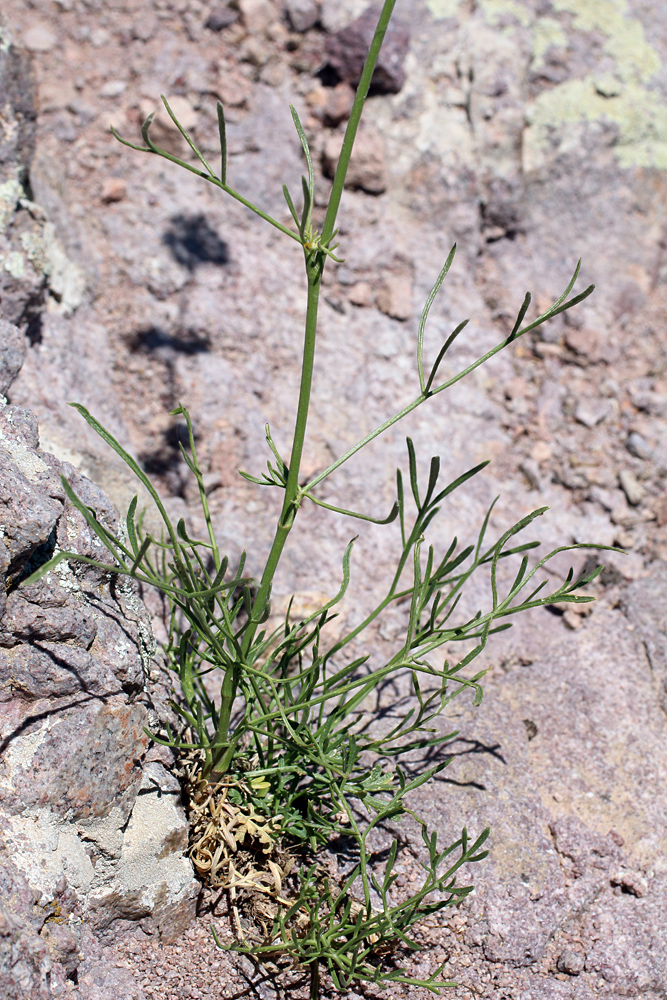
{"type": "Point", "coordinates": [626, 41]}
{"type": "Point", "coordinates": [620, 96]}
{"type": "Point", "coordinates": [639, 114]}
{"type": "Point", "coordinates": [547, 34]}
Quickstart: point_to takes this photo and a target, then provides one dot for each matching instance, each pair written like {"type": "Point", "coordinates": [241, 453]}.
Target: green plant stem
{"type": "Point", "coordinates": [354, 119]}
{"type": "Point", "coordinates": [314, 980]}
{"type": "Point", "coordinates": [314, 267]}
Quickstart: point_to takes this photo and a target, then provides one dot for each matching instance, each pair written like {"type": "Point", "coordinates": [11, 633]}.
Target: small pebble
{"type": "Point", "coordinates": [39, 38]}
{"type": "Point", "coordinates": [591, 412]}
{"type": "Point", "coordinates": [113, 88]}
{"type": "Point", "coordinates": [113, 189]}
{"type": "Point", "coordinates": [571, 962]}
{"type": "Point", "coordinates": [638, 446]}
{"type": "Point", "coordinates": [221, 16]}
{"type": "Point", "coordinates": [531, 471]}
{"type": "Point", "coordinates": [633, 489]}
{"type": "Point", "coordinates": [631, 883]}
{"type": "Point", "coordinates": [302, 14]}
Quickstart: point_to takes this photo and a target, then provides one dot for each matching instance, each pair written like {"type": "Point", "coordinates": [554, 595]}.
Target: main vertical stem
{"type": "Point", "coordinates": [315, 980]}
{"type": "Point", "coordinates": [314, 267]}
{"type": "Point", "coordinates": [315, 260]}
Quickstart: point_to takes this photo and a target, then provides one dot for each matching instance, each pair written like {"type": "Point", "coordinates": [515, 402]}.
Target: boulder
{"type": "Point", "coordinates": [92, 827]}
{"type": "Point", "coordinates": [347, 50]}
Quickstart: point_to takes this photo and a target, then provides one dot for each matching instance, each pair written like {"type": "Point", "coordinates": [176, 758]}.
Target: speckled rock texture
{"type": "Point", "coordinates": [574, 785]}
{"type": "Point", "coordinates": [92, 831]}
{"type": "Point", "coordinates": [532, 133]}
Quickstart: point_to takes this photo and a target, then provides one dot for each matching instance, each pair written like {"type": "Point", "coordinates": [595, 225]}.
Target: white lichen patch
{"type": "Point", "coordinates": [152, 866]}
{"type": "Point", "coordinates": [36, 251]}
{"type": "Point", "coordinates": [65, 575]}
{"type": "Point", "coordinates": [45, 848]}
{"type": "Point", "coordinates": [67, 281]}
{"type": "Point", "coordinates": [10, 192]}
{"type": "Point", "coordinates": [30, 464]}
{"type": "Point", "coordinates": [14, 263]}
{"type": "Point", "coordinates": [640, 116]}
{"type": "Point", "coordinates": [105, 832]}
{"type": "Point", "coordinates": [20, 753]}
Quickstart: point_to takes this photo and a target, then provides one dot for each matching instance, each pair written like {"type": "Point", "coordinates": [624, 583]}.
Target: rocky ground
{"type": "Point", "coordinates": [531, 133]}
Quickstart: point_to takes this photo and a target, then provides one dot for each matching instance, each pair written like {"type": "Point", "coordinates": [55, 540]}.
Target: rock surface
{"type": "Point", "coordinates": [348, 48]}
{"type": "Point", "coordinates": [531, 133]}
{"type": "Point", "coordinates": [574, 786]}
{"type": "Point", "coordinates": [92, 830]}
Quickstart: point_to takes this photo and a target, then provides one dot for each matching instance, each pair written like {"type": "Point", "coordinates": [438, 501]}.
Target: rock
{"type": "Point", "coordinates": [113, 189]}
{"type": "Point", "coordinates": [630, 882]}
{"type": "Point", "coordinates": [584, 342]}
{"type": "Point", "coordinates": [302, 14]}
{"type": "Point", "coordinates": [233, 89]}
{"type": "Point", "coordinates": [347, 50]}
{"type": "Point", "coordinates": [13, 347]}
{"type": "Point", "coordinates": [55, 96]}
{"type": "Point", "coordinates": [144, 27]}
{"type": "Point", "coordinates": [571, 962]}
{"type": "Point", "coordinates": [367, 170]}
{"type": "Point", "coordinates": [221, 16]}
{"type": "Point", "coordinates": [336, 16]}
{"type": "Point", "coordinates": [531, 471]}
{"type": "Point", "coordinates": [541, 451]}
{"type": "Point", "coordinates": [257, 15]}
{"type": "Point", "coordinates": [651, 402]}
{"type": "Point", "coordinates": [550, 407]}
{"type": "Point", "coordinates": [633, 489]}
{"type": "Point", "coordinates": [394, 295]}
{"type": "Point", "coordinates": [338, 104]}
{"type": "Point", "coordinates": [31, 498]}
{"type": "Point", "coordinates": [493, 81]}
{"type": "Point", "coordinates": [645, 606]}
{"type": "Point", "coordinates": [22, 281]}
{"type": "Point", "coordinates": [539, 897]}
{"type": "Point", "coordinates": [360, 294]}
{"type": "Point", "coordinates": [502, 132]}
{"type": "Point", "coordinates": [590, 412]}
{"type": "Point", "coordinates": [39, 38]}
{"type": "Point", "coordinates": [609, 499]}
{"type": "Point", "coordinates": [113, 88]}
{"type": "Point", "coordinates": [24, 960]}
{"type": "Point", "coordinates": [93, 831]}
{"type": "Point", "coordinates": [153, 878]}
{"type": "Point", "coordinates": [99, 38]}
{"type": "Point", "coordinates": [184, 112]}
{"type": "Point", "coordinates": [638, 446]}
